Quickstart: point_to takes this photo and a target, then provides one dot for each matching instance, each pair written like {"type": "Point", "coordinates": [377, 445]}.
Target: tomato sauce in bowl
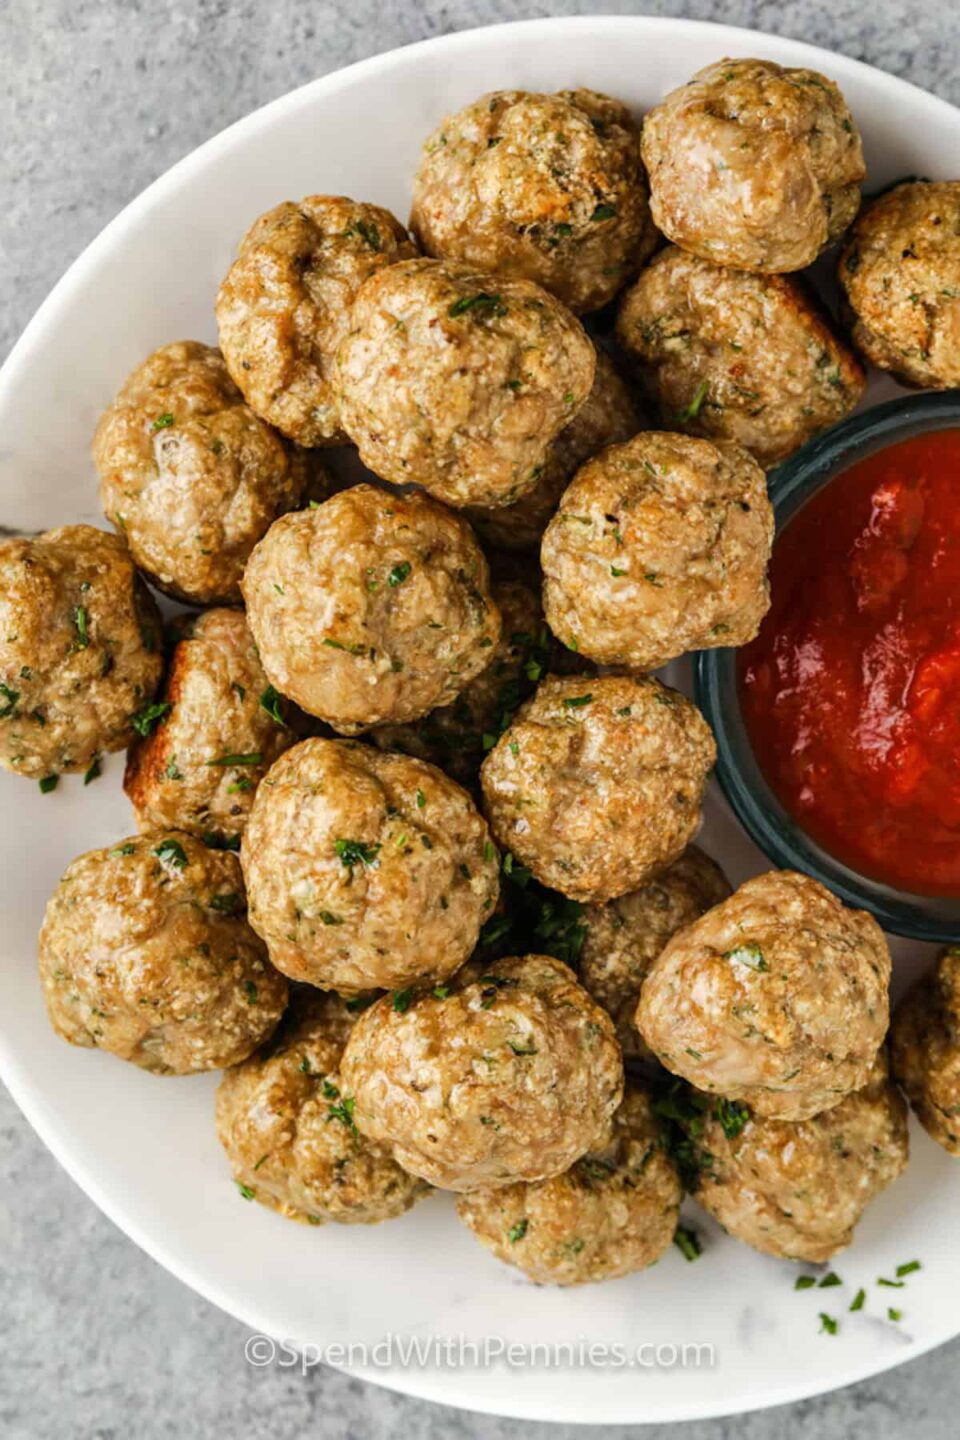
{"type": "Point", "coordinates": [850, 695]}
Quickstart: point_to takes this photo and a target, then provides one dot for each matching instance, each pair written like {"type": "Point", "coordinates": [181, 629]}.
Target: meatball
{"type": "Point", "coordinates": [624, 937]}
{"type": "Point", "coordinates": [901, 274]}
{"type": "Point", "coordinates": [796, 1189]}
{"type": "Point", "coordinates": [366, 870]}
{"type": "Point", "coordinates": [925, 1045]}
{"type": "Point", "coordinates": [597, 783]}
{"type": "Point", "coordinates": [457, 736]}
{"type": "Point", "coordinates": [189, 475]}
{"type": "Point", "coordinates": [460, 381]}
{"type": "Point", "coordinates": [79, 650]}
{"type": "Point", "coordinates": [541, 187]}
{"type": "Point", "coordinates": [660, 546]}
{"type": "Point", "coordinates": [285, 304]}
{"type": "Point", "coordinates": [221, 726]}
{"type": "Point", "coordinates": [734, 356]}
{"type": "Point", "coordinates": [777, 997]}
{"type": "Point", "coordinates": [607, 417]}
{"type": "Point", "coordinates": [371, 608]}
{"type": "Point", "coordinates": [510, 1074]}
{"type": "Point", "coordinates": [614, 1211]}
{"type": "Point", "coordinates": [753, 165]}
{"type": "Point", "coordinates": [290, 1137]}
{"type": "Point", "coordinates": [145, 951]}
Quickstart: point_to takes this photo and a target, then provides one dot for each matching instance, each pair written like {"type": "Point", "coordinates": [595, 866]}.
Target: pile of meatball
{"type": "Point", "coordinates": [413, 860]}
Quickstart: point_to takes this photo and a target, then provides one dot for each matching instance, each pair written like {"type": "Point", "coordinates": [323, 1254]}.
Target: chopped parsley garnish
{"type": "Point", "coordinates": [146, 720]}
{"type": "Point", "coordinates": [908, 1268]}
{"type": "Point", "coordinates": [573, 702]}
{"type": "Point", "coordinates": [246, 1191]}
{"type": "Point", "coordinates": [327, 917]}
{"type": "Point", "coordinates": [857, 1302]}
{"type": "Point", "coordinates": [894, 1315]}
{"type": "Point", "coordinates": [360, 1002]}
{"type": "Point", "coordinates": [528, 1049]}
{"type": "Point", "coordinates": [732, 1116]}
{"type": "Point", "coordinates": [162, 422]}
{"type": "Point", "coordinates": [367, 231]}
{"type": "Point", "coordinates": [271, 701]}
{"type": "Point", "coordinates": [691, 411]}
{"type": "Point", "coordinates": [517, 1231]}
{"type": "Point", "coordinates": [356, 852]}
{"type": "Point", "coordinates": [891, 1284]}
{"type": "Point", "coordinates": [399, 573]}
{"type": "Point", "coordinates": [482, 301]}
{"type": "Point", "coordinates": [348, 649]}
{"type": "Point", "coordinates": [82, 621]}
{"type": "Point", "coordinates": [94, 773]}
{"type": "Point", "coordinates": [342, 1109]}
{"type": "Point", "coordinates": [688, 1243]}
{"type": "Point", "coordinates": [10, 697]}
{"type": "Point", "coordinates": [214, 840]}
{"type": "Point", "coordinates": [440, 992]}
{"type": "Point", "coordinates": [804, 1282]}
{"type": "Point", "coordinates": [616, 572]}
{"type": "Point", "coordinates": [421, 799]}
{"type": "Point", "coordinates": [171, 852]}
{"type": "Point", "coordinates": [829, 1281]}
{"type": "Point", "coordinates": [749, 955]}
{"type": "Point", "coordinates": [250, 990]}
{"type": "Point", "coordinates": [604, 212]}
{"type": "Point", "coordinates": [48, 783]}
{"type": "Point", "coordinates": [128, 848]}
{"type": "Point", "coordinates": [401, 1000]}
{"type": "Point", "coordinates": [828, 1326]}
{"type": "Point", "coordinates": [254, 757]}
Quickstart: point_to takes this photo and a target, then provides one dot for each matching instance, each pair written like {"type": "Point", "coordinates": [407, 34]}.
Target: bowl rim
{"type": "Point", "coordinates": [754, 803]}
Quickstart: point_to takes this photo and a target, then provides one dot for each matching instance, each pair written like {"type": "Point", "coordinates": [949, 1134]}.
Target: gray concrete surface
{"type": "Point", "coordinates": [97, 97]}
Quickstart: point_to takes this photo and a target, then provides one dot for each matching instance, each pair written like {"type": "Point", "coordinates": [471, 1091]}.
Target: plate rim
{"type": "Point", "coordinates": [419, 1384]}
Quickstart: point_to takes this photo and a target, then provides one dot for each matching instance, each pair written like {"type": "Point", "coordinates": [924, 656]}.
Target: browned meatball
{"type": "Point", "coordinates": [221, 726]}
{"type": "Point", "coordinates": [285, 304]}
{"type": "Point", "coordinates": [145, 951]}
{"type": "Point", "coordinates": [597, 784]}
{"type": "Point", "coordinates": [660, 546]}
{"type": "Point", "coordinates": [189, 475]}
{"type": "Point", "coordinates": [925, 1049]}
{"type": "Point", "coordinates": [79, 650]}
{"type": "Point", "coordinates": [509, 1074]}
{"type": "Point", "coordinates": [290, 1136]}
{"type": "Point", "coordinates": [545, 187]}
{"type": "Point", "coordinates": [366, 870]}
{"type": "Point", "coordinates": [613, 1212]}
{"type": "Point", "coordinates": [797, 1189]}
{"type": "Point", "coordinates": [777, 997]}
{"type": "Point", "coordinates": [607, 417]}
{"type": "Point", "coordinates": [456, 737]}
{"type": "Point", "coordinates": [735, 356]}
{"type": "Point", "coordinates": [901, 273]}
{"type": "Point", "coordinates": [371, 608]}
{"type": "Point", "coordinates": [458, 381]}
{"type": "Point", "coordinates": [624, 937]}
{"type": "Point", "coordinates": [753, 165]}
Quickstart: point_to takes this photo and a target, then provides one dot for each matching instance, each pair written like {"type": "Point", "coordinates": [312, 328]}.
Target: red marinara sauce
{"type": "Point", "coordinates": [851, 692]}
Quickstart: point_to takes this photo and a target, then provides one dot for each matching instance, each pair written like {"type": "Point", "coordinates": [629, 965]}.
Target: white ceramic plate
{"type": "Point", "coordinates": [144, 1149]}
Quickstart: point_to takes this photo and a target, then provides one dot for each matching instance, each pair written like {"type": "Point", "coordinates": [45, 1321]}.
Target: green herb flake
{"type": "Point", "coordinates": [327, 917]}
{"type": "Point", "coordinates": [162, 422]}
{"type": "Point", "coordinates": [348, 649]}
{"type": "Point", "coordinates": [891, 1284]}
{"type": "Point", "coordinates": [732, 1115]}
{"type": "Point", "coordinates": [829, 1281]}
{"type": "Point", "coordinates": [908, 1268]}
{"type": "Point", "coordinates": [401, 1000]}
{"type": "Point", "coordinates": [804, 1282]}
{"type": "Point", "coordinates": [574, 702]}
{"type": "Point", "coordinates": [828, 1325]}
{"type": "Point", "coordinates": [128, 848]}
{"type": "Point", "coordinates": [250, 991]}
{"type": "Point", "coordinates": [271, 701]}
{"type": "Point", "coordinates": [517, 1231]}
{"type": "Point", "coordinates": [858, 1300]}
{"type": "Point", "coordinates": [691, 411]}
{"type": "Point", "coordinates": [688, 1243]}
{"type": "Point", "coordinates": [616, 572]}
{"type": "Point", "coordinates": [440, 992]}
{"type": "Point", "coordinates": [355, 852]}
{"type": "Point", "coordinates": [171, 852]}
{"type": "Point", "coordinates": [749, 955]}
{"type": "Point", "coordinates": [81, 620]}
{"type": "Point", "coordinates": [604, 212]}
{"type": "Point", "coordinates": [483, 302]}
{"type": "Point", "coordinates": [94, 773]}
{"type": "Point", "coordinates": [246, 1191]}
{"type": "Point", "coordinates": [10, 698]}
{"type": "Point", "coordinates": [893, 1314]}
{"type": "Point", "coordinates": [360, 1002]}
{"type": "Point", "coordinates": [253, 757]}
{"type": "Point", "coordinates": [399, 573]}
{"type": "Point", "coordinates": [421, 800]}
{"type": "Point", "coordinates": [146, 720]}
{"type": "Point", "coordinates": [48, 783]}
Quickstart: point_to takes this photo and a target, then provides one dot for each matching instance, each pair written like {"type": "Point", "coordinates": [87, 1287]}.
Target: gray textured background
{"type": "Point", "coordinates": [97, 98]}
